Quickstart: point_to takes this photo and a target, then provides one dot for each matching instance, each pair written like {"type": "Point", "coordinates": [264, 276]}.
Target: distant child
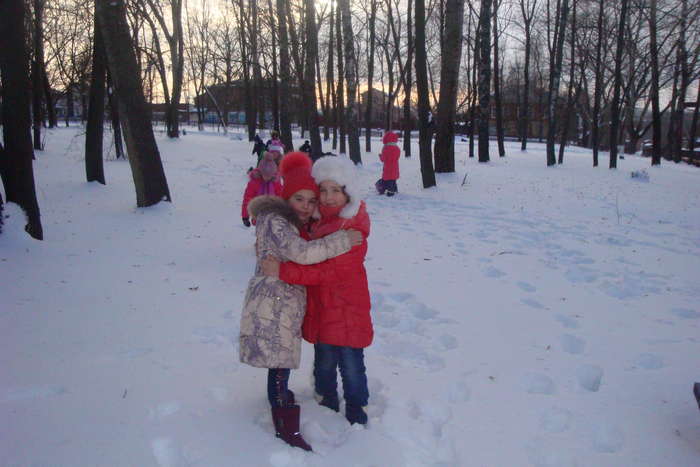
{"type": "Point", "coordinates": [263, 181]}
{"type": "Point", "coordinates": [390, 157]}
{"type": "Point", "coordinates": [258, 148]}
{"type": "Point", "coordinates": [306, 147]}
{"type": "Point", "coordinates": [274, 143]}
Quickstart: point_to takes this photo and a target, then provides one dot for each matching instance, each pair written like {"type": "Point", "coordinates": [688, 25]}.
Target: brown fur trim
{"type": "Point", "coordinates": [264, 204]}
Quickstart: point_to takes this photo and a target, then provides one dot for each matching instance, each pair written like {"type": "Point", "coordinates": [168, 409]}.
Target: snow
{"type": "Point", "coordinates": [532, 316]}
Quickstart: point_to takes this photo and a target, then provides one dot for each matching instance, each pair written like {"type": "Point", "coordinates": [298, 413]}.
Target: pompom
{"type": "Point", "coordinates": [293, 161]}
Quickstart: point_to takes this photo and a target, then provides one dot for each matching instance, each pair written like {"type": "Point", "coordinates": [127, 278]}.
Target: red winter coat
{"type": "Point", "coordinates": [256, 187]}
{"type": "Point", "coordinates": [338, 303]}
{"type": "Point", "coordinates": [390, 156]}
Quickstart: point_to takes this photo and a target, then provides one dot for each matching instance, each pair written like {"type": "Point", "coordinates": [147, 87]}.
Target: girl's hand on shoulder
{"type": "Point", "coordinates": [355, 236]}
{"type": "Point", "coordinates": [270, 266]}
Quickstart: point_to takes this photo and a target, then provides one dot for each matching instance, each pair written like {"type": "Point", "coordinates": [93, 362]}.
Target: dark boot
{"type": "Point", "coordinates": [696, 391]}
{"type": "Point", "coordinates": [331, 402]}
{"type": "Point", "coordinates": [355, 414]}
{"type": "Point", "coordinates": [286, 420]}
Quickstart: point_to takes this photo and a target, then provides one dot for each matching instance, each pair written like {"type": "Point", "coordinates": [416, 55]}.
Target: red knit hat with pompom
{"type": "Point", "coordinates": [295, 169]}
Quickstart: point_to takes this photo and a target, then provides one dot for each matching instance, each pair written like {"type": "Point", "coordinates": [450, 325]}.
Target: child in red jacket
{"type": "Point", "coordinates": [390, 157]}
{"type": "Point", "coordinates": [263, 181]}
{"type": "Point", "coordinates": [337, 319]}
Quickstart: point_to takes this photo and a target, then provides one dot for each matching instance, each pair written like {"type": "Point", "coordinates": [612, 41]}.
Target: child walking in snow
{"type": "Point", "coordinates": [273, 310]}
{"type": "Point", "coordinates": [262, 181]}
{"type": "Point", "coordinates": [337, 320]}
{"type": "Point", "coordinates": [390, 157]}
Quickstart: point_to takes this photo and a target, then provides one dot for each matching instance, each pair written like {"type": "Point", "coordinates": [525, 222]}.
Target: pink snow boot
{"type": "Point", "coordinates": [286, 420]}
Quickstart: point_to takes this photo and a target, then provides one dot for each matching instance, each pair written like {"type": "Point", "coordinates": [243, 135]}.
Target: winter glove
{"type": "Point", "coordinates": [246, 222]}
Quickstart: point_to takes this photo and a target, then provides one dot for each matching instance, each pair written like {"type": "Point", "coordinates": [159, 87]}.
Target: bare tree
{"type": "Point", "coordinates": [425, 134]}
{"type": "Point", "coordinates": [285, 75]}
{"type": "Point", "coordinates": [656, 113]}
{"type": "Point", "coordinates": [371, 20]}
{"type": "Point", "coordinates": [16, 158]}
{"type": "Point", "coordinates": [484, 78]}
{"type": "Point", "coordinates": [615, 110]}
{"type": "Point", "coordinates": [38, 73]}
{"type": "Point", "coordinates": [528, 9]}
{"type": "Point", "coordinates": [144, 158]}
{"type": "Point", "coordinates": [351, 80]}
{"type": "Point", "coordinates": [555, 65]}
{"type": "Point", "coordinates": [94, 168]}
{"type": "Point", "coordinates": [449, 77]}
{"type": "Point", "coordinates": [310, 78]}
{"type": "Point", "coordinates": [497, 73]}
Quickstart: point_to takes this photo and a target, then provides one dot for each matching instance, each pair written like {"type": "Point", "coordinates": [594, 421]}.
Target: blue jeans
{"type": "Point", "coordinates": [351, 362]}
{"type": "Point", "coordinates": [277, 392]}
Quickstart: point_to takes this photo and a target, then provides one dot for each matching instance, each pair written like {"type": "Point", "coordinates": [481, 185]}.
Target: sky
{"type": "Point", "coordinates": [523, 316]}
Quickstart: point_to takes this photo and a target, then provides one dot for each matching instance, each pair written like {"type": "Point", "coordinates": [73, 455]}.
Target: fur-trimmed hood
{"type": "Point", "coordinates": [342, 171]}
{"type": "Point", "coordinates": [261, 205]}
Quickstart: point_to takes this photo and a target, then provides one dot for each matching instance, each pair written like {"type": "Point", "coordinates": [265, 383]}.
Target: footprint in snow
{"type": "Point", "coordinates": [649, 361]}
{"type": "Point", "coordinates": [163, 410]}
{"type": "Point", "coordinates": [555, 420]}
{"type": "Point", "coordinates": [32, 392]}
{"type": "Point", "coordinates": [532, 303]}
{"type": "Point", "coordinates": [685, 313]}
{"type": "Point", "coordinates": [567, 321]}
{"type": "Point", "coordinates": [526, 287]}
{"type": "Point", "coordinates": [167, 453]}
{"type": "Point", "coordinates": [538, 383]}
{"type": "Point", "coordinates": [493, 272]}
{"type": "Point", "coordinates": [589, 377]}
{"type": "Point", "coordinates": [572, 344]}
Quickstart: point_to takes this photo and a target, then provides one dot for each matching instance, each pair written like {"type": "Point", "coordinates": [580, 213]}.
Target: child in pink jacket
{"type": "Point", "coordinates": [263, 181]}
{"type": "Point", "coordinates": [390, 157]}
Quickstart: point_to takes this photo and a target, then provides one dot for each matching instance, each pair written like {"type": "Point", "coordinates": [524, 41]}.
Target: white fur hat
{"type": "Point", "coordinates": [342, 171]}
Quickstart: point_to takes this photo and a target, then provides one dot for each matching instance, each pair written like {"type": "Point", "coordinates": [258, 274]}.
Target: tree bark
{"type": "Point", "coordinates": [570, 93]}
{"type": "Point", "coordinates": [351, 79]}
{"type": "Point", "coordinates": [285, 76]}
{"type": "Point", "coordinates": [146, 166]}
{"type": "Point", "coordinates": [310, 79]}
{"type": "Point", "coordinates": [615, 106]}
{"type": "Point", "coordinates": [37, 73]}
{"type": "Point", "coordinates": [497, 83]}
{"type": "Point", "coordinates": [595, 133]}
{"type": "Point", "coordinates": [425, 135]}
{"type": "Point", "coordinates": [449, 82]}
{"type": "Point", "coordinates": [94, 168]}
{"type": "Point", "coordinates": [370, 75]}
{"type": "Point", "coordinates": [408, 84]}
{"type": "Point", "coordinates": [341, 117]}
{"type": "Point", "coordinates": [16, 168]}
{"type": "Point", "coordinates": [554, 79]}
{"type": "Point", "coordinates": [484, 79]}
{"type": "Point", "coordinates": [528, 11]}
{"type": "Point", "coordinates": [655, 111]}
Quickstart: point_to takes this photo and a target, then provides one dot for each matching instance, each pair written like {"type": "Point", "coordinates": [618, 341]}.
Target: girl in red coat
{"type": "Point", "coordinates": [390, 157]}
{"type": "Point", "coordinates": [263, 181]}
{"type": "Point", "coordinates": [337, 319]}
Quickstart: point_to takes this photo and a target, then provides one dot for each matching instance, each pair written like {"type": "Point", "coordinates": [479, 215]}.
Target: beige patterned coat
{"type": "Point", "coordinates": [274, 310]}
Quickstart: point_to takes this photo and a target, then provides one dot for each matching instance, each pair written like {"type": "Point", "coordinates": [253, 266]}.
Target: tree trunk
{"type": "Point", "coordinates": [48, 98]}
{"type": "Point", "coordinates": [497, 83]}
{"type": "Point", "coordinates": [94, 168]}
{"type": "Point", "coordinates": [16, 168]}
{"type": "Point", "coordinates": [370, 76]}
{"type": "Point", "coordinates": [330, 88]}
{"type": "Point", "coordinates": [694, 125]}
{"type": "Point", "coordinates": [285, 76]}
{"type": "Point", "coordinates": [275, 73]}
{"type": "Point", "coordinates": [351, 79]}
{"type": "Point", "coordinates": [114, 114]}
{"type": "Point", "coordinates": [682, 67]}
{"type": "Point", "coordinates": [528, 12]}
{"type": "Point", "coordinates": [570, 93]}
{"type": "Point", "coordinates": [554, 79]}
{"type": "Point", "coordinates": [615, 106]}
{"type": "Point", "coordinates": [144, 158]}
{"type": "Point", "coordinates": [37, 73]}
{"type": "Point", "coordinates": [310, 79]}
{"type": "Point", "coordinates": [484, 79]}
{"type": "Point", "coordinates": [425, 135]}
{"type": "Point", "coordinates": [340, 92]}
{"type": "Point", "coordinates": [408, 84]}
{"type": "Point", "coordinates": [655, 111]}
{"type": "Point", "coordinates": [595, 135]}
{"type": "Point", "coordinates": [449, 81]}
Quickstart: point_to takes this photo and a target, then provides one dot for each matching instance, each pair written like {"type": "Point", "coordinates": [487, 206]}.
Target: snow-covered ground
{"type": "Point", "coordinates": [532, 316]}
